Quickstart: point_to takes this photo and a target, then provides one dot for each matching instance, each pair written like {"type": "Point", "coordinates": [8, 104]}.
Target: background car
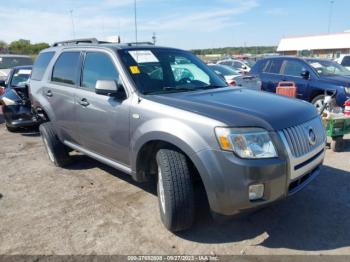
{"type": "Point", "coordinates": [9, 61]}
{"type": "Point", "coordinates": [312, 77]}
{"type": "Point", "coordinates": [344, 60]}
{"type": "Point", "coordinates": [15, 102]}
{"type": "Point", "coordinates": [234, 78]}
{"type": "Point", "coordinates": [237, 65]}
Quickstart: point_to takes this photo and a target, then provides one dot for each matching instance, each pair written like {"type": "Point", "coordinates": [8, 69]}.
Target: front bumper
{"type": "Point", "coordinates": [17, 116]}
{"type": "Point", "coordinates": [227, 178]}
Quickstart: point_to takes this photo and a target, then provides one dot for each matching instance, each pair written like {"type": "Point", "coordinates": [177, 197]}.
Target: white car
{"type": "Point", "coordinates": [344, 60]}
{"type": "Point", "coordinates": [237, 65]}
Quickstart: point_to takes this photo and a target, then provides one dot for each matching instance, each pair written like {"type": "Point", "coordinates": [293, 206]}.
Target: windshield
{"type": "Point", "coordinates": [157, 71]}
{"type": "Point", "coordinates": [223, 70]}
{"type": "Point", "coordinates": [328, 68]}
{"type": "Point", "coordinates": [20, 76]}
{"type": "Point", "coordinates": [9, 62]}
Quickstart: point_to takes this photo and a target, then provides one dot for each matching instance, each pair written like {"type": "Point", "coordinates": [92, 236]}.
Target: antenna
{"type": "Point", "coordinates": [73, 26]}
{"type": "Point", "coordinates": [135, 16]}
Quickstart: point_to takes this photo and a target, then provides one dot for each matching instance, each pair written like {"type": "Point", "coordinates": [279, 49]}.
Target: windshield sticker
{"type": "Point", "coordinates": [143, 56]}
{"type": "Point", "coordinates": [24, 72]}
{"type": "Point", "coordinates": [135, 70]}
{"type": "Point", "coordinates": [316, 65]}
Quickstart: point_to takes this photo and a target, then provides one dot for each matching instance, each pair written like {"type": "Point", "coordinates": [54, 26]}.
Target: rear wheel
{"type": "Point", "coordinates": [58, 153]}
{"type": "Point", "coordinates": [318, 102]}
{"type": "Point", "coordinates": [175, 190]}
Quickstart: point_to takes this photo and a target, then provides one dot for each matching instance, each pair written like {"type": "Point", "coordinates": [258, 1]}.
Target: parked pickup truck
{"type": "Point", "coordinates": [127, 106]}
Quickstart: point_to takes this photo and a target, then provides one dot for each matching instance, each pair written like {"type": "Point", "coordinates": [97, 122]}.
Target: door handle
{"type": "Point", "coordinates": [48, 93]}
{"type": "Point", "coordinates": [84, 102]}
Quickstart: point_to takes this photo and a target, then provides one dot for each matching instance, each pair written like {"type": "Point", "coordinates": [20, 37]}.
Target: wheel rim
{"type": "Point", "coordinates": [48, 149]}
{"type": "Point", "coordinates": [319, 104]}
{"type": "Point", "coordinates": [161, 190]}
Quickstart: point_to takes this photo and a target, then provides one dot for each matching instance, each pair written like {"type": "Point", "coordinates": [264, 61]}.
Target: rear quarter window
{"type": "Point", "coordinates": [274, 66]}
{"type": "Point", "coordinates": [41, 64]}
{"type": "Point", "coordinates": [259, 67]}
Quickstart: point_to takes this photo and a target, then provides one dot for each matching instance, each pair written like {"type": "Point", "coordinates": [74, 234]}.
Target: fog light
{"type": "Point", "coordinates": [256, 191]}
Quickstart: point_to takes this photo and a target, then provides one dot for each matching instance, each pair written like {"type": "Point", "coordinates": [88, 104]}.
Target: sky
{"type": "Point", "coordinates": [184, 24]}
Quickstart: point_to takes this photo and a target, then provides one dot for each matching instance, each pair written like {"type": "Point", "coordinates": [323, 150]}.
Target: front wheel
{"type": "Point", "coordinates": [175, 190]}
{"type": "Point", "coordinates": [318, 102]}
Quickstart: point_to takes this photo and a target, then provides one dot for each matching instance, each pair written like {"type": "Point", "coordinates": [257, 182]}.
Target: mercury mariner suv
{"type": "Point", "coordinates": [156, 112]}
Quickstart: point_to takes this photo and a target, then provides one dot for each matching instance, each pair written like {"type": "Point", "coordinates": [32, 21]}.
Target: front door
{"type": "Point", "coordinates": [103, 120]}
{"type": "Point", "coordinates": [291, 70]}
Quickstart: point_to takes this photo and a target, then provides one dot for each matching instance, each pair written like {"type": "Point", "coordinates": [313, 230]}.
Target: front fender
{"type": "Point", "coordinates": [168, 130]}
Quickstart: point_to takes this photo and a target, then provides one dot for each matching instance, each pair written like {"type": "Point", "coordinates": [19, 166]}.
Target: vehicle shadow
{"type": "Point", "coordinates": [314, 219]}
{"type": "Point", "coordinates": [2, 120]}
{"type": "Point", "coordinates": [317, 218]}
{"type": "Point", "coordinates": [82, 162]}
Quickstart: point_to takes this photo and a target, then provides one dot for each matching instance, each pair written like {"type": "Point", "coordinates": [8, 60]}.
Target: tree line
{"type": "Point", "coordinates": [22, 47]}
{"type": "Point", "coordinates": [255, 50]}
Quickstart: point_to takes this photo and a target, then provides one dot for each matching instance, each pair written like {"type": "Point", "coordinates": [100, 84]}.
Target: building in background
{"type": "Point", "coordinates": [324, 46]}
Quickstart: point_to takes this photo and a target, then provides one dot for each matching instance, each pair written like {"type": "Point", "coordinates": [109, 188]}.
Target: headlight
{"type": "Point", "coordinates": [246, 142]}
{"type": "Point", "coordinates": [347, 90]}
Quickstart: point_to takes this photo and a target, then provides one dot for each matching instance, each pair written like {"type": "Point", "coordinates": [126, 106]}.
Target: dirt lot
{"type": "Point", "coordinates": [90, 208]}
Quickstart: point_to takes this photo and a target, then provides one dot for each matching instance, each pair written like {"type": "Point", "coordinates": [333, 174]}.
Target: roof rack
{"type": "Point", "coordinates": [78, 41]}
{"type": "Point", "coordinates": [139, 43]}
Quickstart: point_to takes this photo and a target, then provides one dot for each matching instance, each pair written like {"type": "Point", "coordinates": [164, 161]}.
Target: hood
{"type": "Point", "coordinates": [242, 107]}
{"type": "Point", "coordinates": [337, 80]}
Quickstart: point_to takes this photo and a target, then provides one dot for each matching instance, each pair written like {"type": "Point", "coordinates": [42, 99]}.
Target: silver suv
{"type": "Point", "coordinates": [156, 112]}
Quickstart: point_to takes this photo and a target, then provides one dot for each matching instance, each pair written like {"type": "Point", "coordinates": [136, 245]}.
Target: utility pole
{"type": "Point", "coordinates": [135, 14]}
{"type": "Point", "coordinates": [72, 20]}
{"type": "Point", "coordinates": [330, 15]}
{"type": "Point", "coordinates": [154, 38]}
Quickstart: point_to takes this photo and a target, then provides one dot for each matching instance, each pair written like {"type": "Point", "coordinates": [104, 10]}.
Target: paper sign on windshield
{"type": "Point", "coordinates": [316, 65]}
{"type": "Point", "coordinates": [24, 72]}
{"type": "Point", "coordinates": [143, 56]}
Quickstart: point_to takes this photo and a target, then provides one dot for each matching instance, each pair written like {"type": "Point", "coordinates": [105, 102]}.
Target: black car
{"type": "Point", "coordinates": [312, 77]}
{"type": "Point", "coordinates": [15, 102]}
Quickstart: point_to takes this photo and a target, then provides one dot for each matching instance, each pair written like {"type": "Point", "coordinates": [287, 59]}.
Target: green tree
{"type": "Point", "coordinates": [36, 48]}
{"type": "Point", "coordinates": [21, 46]}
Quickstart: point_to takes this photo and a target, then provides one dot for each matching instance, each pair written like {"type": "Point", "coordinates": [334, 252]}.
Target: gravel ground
{"type": "Point", "coordinates": [89, 208]}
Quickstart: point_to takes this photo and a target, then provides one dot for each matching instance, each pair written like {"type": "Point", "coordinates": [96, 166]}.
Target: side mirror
{"type": "Point", "coordinates": [106, 87]}
{"type": "Point", "coordinates": [305, 74]}
{"type": "Point", "coordinates": [244, 67]}
{"type": "Point", "coordinates": [3, 83]}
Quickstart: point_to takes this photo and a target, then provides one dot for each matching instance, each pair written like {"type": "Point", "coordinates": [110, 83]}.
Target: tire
{"type": "Point", "coordinates": [337, 144]}
{"type": "Point", "coordinates": [58, 153]}
{"type": "Point", "coordinates": [175, 190]}
{"type": "Point", "coordinates": [318, 102]}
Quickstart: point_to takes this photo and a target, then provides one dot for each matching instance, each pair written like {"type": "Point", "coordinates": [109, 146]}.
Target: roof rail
{"type": "Point", "coordinates": [77, 41]}
{"type": "Point", "coordinates": [139, 43]}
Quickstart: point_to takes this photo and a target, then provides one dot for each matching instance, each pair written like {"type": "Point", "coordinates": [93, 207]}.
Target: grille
{"type": "Point", "coordinates": [298, 137]}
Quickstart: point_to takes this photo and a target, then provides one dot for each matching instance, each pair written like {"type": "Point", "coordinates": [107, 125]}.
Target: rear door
{"type": "Point", "coordinates": [103, 120]}
{"type": "Point", "coordinates": [291, 70]}
{"type": "Point", "coordinates": [60, 92]}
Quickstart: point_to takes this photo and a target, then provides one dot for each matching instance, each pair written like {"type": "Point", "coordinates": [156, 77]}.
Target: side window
{"type": "Point", "coordinates": [41, 64]}
{"type": "Point", "coordinates": [66, 68]}
{"type": "Point", "coordinates": [97, 66]}
{"type": "Point", "coordinates": [293, 68]}
{"type": "Point", "coordinates": [346, 61]}
{"type": "Point", "coordinates": [275, 66]}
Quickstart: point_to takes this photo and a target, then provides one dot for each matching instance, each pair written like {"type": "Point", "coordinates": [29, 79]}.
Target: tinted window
{"type": "Point", "coordinates": [98, 66]}
{"type": "Point", "coordinates": [9, 62]}
{"type": "Point", "coordinates": [293, 68]}
{"type": "Point", "coordinates": [275, 66]}
{"type": "Point", "coordinates": [346, 61]}
{"type": "Point", "coordinates": [41, 64]}
{"type": "Point", "coordinates": [66, 68]}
